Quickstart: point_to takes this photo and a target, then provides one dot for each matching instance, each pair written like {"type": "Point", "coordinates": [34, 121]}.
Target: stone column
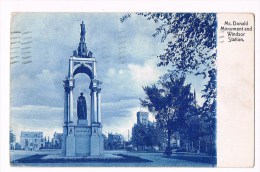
{"type": "Point", "coordinates": [71, 67]}
{"type": "Point", "coordinates": [71, 106]}
{"type": "Point", "coordinates": [94, 70]}
{"type": "Point", "coordinates": [98, 106]}
{"type": "Point", "coordinates": [66, 107]}
{"type": "Point", "coordinates": [93, 105]}
{"type": "Point", "coordinates": [71, 86]}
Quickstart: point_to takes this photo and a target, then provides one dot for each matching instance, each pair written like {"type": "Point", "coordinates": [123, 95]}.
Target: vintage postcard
{"type": "Point", "coordinates": [132, 89]}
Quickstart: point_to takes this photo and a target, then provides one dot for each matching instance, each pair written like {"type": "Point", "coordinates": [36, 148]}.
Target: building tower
{"type": "Point", "coordinates": [142, 118]}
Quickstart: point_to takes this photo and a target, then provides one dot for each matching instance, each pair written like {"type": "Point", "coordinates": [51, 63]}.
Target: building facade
{"type": "Point", "coordinates": [115, 141]}
{"type": "Point", "coordinates": [142, 118]}
{"type": "Point", "coordinates": [32, 140]}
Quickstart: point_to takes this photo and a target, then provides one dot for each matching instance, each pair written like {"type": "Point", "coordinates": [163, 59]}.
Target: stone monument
{"type": "Point", "coordinates": [82, 110]}
{"type": "Point", "coordinates": [82, 139]}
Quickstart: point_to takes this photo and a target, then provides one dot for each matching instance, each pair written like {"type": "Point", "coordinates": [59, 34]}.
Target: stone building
{"type": "Point", "coordinates": [116, 137]}
{"type": "Point", "coordinates": [142, 118]}
{"type": "Point", "coordinates": [31, 140]}
{"type": "Point", "coordinates": [115, 141]}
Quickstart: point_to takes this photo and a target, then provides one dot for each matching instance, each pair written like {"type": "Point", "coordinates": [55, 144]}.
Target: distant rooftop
{"type": "Point", "coordinates": [32, 134]}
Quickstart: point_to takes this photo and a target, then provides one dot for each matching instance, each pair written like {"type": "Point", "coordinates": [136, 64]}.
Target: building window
{"type": "Point", "coordinates": [26, 142]}
{"type": "Point", "coordinates": [144, 120]}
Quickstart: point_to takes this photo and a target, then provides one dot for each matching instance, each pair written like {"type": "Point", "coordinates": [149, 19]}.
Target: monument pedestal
{"type": "Point", "coordinates": [70, 149]}
{"type": "Point", "coordinates": [97, 140]}
{"type": "Point", "coordinates": [96, 148]}
{"type": "Point", "coordinates": [70, 141]}
{"type": "Point", "coordinates": [64, 137]}
{"type": "Point", "coordinates": [82, 122]}
{"type": "Point", "coordinates": [83, 140]}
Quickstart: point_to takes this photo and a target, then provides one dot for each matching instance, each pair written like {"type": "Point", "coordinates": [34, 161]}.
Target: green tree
{"type": "Point", "coordinates": [106, 147]}
{"type": "Point", "coordinates": [191, 45]}
{"type": "Point", "coordinates": [12, 139]}
{"type": "Point", "coordinates": [191, 40]}
{"type": "Point", "coordinates": [170, 100]}
{"type": "Point", "coordinates": [138, 136]}
{"type": "Point", "coordinates": [147, 136]}
{"type": "Point", "coordinates": [190, 50]}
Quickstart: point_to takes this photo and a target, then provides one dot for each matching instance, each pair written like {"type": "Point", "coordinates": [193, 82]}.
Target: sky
{"type": "Point", "coordinates": [126, 61]}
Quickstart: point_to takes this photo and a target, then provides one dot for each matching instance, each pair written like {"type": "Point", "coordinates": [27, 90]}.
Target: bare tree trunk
{"type": "Point", "coordinates": [168, 150]}
{"type": "Point", "coordinates": [169, 139]}
{"type": "Point", "coordinates": [211, 150]}
{"type": "Point", "coordinates": [199, 147]}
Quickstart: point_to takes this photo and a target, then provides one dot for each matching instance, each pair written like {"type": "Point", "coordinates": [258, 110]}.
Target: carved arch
{"type": "Point", "coordinates": [83, 68]}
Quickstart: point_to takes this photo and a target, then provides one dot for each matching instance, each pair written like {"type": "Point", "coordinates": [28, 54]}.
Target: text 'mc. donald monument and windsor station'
{"type": "Point", "coordinates": [84, 138]}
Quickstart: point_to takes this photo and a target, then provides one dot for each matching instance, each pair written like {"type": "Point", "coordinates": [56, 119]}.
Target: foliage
{"type": "Point", "coordinates": [57, 144]}
{"type": "Point", "coordinates": [105, 142]}
{"type": "Point", "coordinates": [12, 139]}
{"type": "Point", "coordinates": [171, 101]}
{"type": "Point", "coordinates": [191, 49]}
{"type": "Point", "coordinates": [147, 135]}
{"type": "Point", "coordinates": [208, 111]}
{"type": "Point", "coordinates": [210, 92]}
{"type": "Point", "coordinates": [138, 135]}
{"type": "Point", "coordinates": [12, 136]}
{"type": "Point", "coordinates": [191, 46]}
{"type": "Point", "coordinates": [192, 131]}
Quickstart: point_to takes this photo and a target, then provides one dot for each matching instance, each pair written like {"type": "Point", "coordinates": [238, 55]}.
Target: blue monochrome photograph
{"type": "Point", "coordinates": [113, 90]}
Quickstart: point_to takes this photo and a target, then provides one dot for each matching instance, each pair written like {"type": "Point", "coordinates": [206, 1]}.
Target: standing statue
{"type": "Point", "coordinates": [83, 31]}
{"type": "Point", "coordinates": [82, 51]}
{"type": "Point", "coordinates": [82, 48]}
{"type": "Point", "coordinates": [81, 107]}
